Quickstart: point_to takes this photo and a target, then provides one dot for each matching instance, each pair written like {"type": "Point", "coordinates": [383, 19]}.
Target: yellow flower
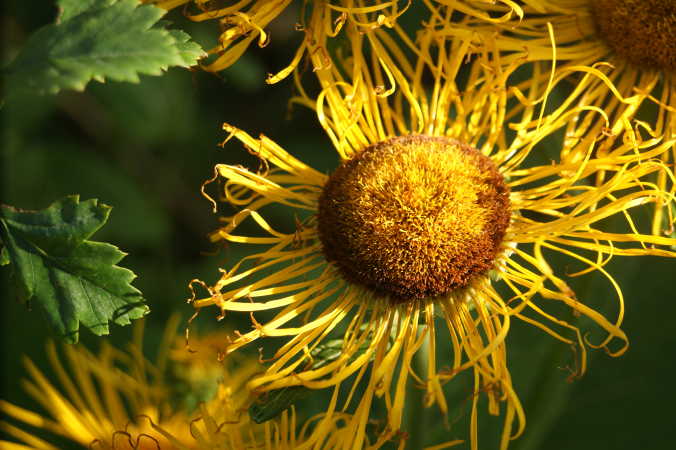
{"type": "Point", "coordinates": [632, 41]}
{"type": "Point", "coordinates": [119, 400]}
{"type": "Point", "coordinates": [439, 225]}
{"type": "Point", "coordinates": [244, 22]}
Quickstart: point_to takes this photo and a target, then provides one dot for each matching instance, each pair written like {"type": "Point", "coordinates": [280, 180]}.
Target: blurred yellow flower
{"type": "Point", "coordinates": [119, 400]}
{"type": "Point", "coordinates": [439, 225]}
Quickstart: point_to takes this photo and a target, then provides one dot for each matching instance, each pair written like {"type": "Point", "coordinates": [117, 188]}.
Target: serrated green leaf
{"type": "Point", "coordinates": [71, 8]}
{"type": "Point", "coordinates": [115, 41]}
{"type": "Point", "coordinates": [71, 279]}
{"type": "Point", "coordinates": [189, 51]}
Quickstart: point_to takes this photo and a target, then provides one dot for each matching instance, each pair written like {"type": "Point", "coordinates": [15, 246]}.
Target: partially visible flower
{"type": "Point", "coordinates": [119, 400]}
{"type": "Point", "coordinates": [438, 225]}
{"type": "Point", "coordinates": [244, 22]}
{"type": "Point", "coordinates": [633, 42]}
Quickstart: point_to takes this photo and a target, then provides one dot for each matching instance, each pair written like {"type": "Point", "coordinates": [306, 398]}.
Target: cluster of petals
{"type": "Point", "coordinates": [505, 78]}
{"type": "Point", "coordinates": [458, 79]}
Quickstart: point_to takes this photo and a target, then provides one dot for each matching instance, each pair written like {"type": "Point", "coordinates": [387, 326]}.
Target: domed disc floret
{"type": "Point", "coordinates": [414, 217]}
{"type": "Point", "coordinates": [643, 32]}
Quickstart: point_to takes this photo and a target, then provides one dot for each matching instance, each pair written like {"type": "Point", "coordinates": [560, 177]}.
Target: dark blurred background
{"type": "Point", "coordinates": [146, 148]}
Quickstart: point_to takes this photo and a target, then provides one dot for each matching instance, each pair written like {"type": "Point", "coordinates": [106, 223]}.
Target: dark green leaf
{"type": "Point", "coordinates": [116, 41]}
{"type": "Point", "coordinates": [71, 8]}
{"type": "Point", "coordinates": [189, 51]}
{"type": "Point", "coordinates": [273, 403]}
{"type": "Point", "coordinates": [71, 279]}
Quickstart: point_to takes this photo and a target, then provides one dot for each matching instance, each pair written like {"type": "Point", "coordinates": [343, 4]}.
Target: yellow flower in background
{"type": "Point", "coordinates": [632, 41]}
{"type": "Point", "coordinates": [119, 400]}
{"type": "Point", "coordinates": [246, 21]}
{"type": "Point", "coordinates": [439, 225]}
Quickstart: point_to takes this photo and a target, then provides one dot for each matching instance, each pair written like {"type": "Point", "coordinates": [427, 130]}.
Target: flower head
{"type": "Point", "coordinates": [414, 216]}
{"type": "Point", "coordinates": [629, 41]}
{"type": "Point", "coordinates": [437, 224]}
{"type": "Point", "coordinates": [119, 400]}
{"type": "Point", "coordinates": [642, 33]}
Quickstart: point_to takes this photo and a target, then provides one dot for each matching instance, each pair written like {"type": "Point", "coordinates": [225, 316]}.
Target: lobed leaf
{"type": "Point", "coordinates": [71, 279]}
{"type": "Point", "coordinates": [98, 39]}
{"type": "Point", "coordinates": [71, 8]}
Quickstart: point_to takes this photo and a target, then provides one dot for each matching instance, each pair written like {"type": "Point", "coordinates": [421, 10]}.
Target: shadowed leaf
{"type": "Point", "coordinates": [98, 39]}
{"type": "Point", "coordinates": [71, 279]}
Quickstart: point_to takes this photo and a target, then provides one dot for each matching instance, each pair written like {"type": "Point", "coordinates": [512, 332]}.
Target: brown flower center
{"type": "Point", "coordinates": [414, 217]}
{"type": "Point", "coordinates": [643, 32]}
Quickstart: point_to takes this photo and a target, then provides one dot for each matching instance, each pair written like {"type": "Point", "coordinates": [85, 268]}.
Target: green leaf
{"type": "Point", "coordinates": [98, 40]}
{"type": "Point", "coordinates": [71, 8]}
{"type": "Point", "coordinates": [71, 279]}
{"type": "Point", "coordinates": [189, 51]}
{"type": "Point", "coordinates": [273, 403]}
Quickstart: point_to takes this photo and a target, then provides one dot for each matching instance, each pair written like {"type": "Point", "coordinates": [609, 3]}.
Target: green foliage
{"type": "Point", "coordinates": [4, 257]}
{"type": "Point", "coordinates": [71, 8]}
{"type": "Point", "coordinates": [72, 280]}
{"type": "Point", "coordinates": [99, 39]}
{"type": "Point", "coordinates": [188, 51]}
{"type": "Point", "coordinates": [273, 403]}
